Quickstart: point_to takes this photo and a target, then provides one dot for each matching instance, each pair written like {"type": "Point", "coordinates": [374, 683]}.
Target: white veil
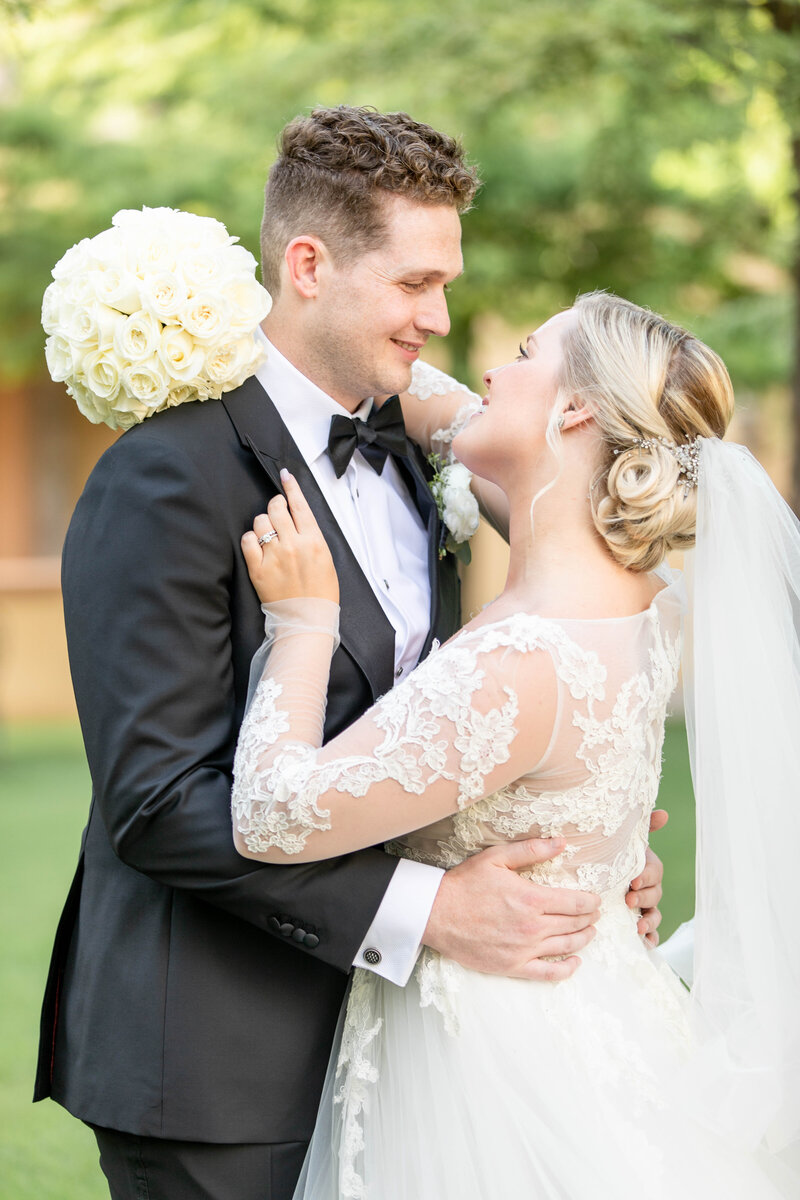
{"type": "Point", "coordinates": [742, 682]}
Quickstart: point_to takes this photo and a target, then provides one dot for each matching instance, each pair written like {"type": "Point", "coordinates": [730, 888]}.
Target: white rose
{"type": "Point", "coordinates": [155, 255]}
{"type": "Point", "coordinates": [231, 363]}
{"type": "Point", "coordinates": [251, 355]}
{"type": "Point", "coordinates": [107, 246]}
{"type": "Point", "coordinates": [78, 290]}
{"type": "Point", "coordinates": [456, 475]}
{"type": "Point", "coordinates": [146, 382]}
{"type": "Point", "coordinates": [206, 316]}
{"type": "Point", "coordinates": [58, 354]}
{"type": "Point", "coordinates": [137, 337]}
{"type": "Point", "coordinates": [181, 394]}
{"type": "Point", "coordinates": [201, 267]}
{"type": "Point", "coordinates": [249, 302]}
{"type": "Point", "coordinates": [164, 295]}
{"type": "Point", "coordinates": [239, 260]}
{"type": "Point", "coordinates": [100, 373]}
{"type": "Point", "coordinates": [53, 304]}
{"type": "Point", "coordinates": [88, 404]}
{"type": "Point", "coordinates": [95, 325]}
{"type": "Point", "coordinates": [459, 506]}
{"type": "Point", "coordinates": [181, 356]}
{"type": "Point", "coordinates": [116, 287]}
{"type": "Point", "coordinates": [77, 259]}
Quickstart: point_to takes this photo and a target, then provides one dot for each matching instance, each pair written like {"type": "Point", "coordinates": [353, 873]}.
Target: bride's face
{"type": "Point", "coordinates": [507, 436]}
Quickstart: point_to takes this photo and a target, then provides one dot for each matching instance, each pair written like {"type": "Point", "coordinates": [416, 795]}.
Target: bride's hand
{"type": "Point", "coordinates": [294, 560]}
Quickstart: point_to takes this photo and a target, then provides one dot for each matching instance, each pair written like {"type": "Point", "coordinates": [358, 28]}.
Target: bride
{"type": "Point", "coordinates": [544, 717]}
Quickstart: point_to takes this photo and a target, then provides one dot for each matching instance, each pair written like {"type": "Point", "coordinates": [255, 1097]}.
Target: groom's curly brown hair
{"type": "Point", "coordinates": [335, 166]}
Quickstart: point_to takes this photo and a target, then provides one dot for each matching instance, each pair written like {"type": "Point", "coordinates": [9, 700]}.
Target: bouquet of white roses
{"type": "Point", "coordinates": [158, 310]}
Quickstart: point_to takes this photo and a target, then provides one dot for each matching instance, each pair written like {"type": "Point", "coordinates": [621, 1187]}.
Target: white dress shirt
{"type": "Point", "coordinates": [385, 532]}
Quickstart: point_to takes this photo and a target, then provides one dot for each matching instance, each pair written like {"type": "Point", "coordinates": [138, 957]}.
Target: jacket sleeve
{"type": "Point", "coordinates": [148, 571]}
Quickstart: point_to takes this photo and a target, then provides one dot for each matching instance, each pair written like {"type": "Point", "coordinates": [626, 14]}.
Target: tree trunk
{"type": "Point", "coordinates": [795, 385]}
{"type": "Point", "coordinates": [785, 16]}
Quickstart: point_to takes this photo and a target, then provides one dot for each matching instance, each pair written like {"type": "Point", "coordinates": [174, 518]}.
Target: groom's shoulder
{"type": "Point", "coordinates": [199, 432]}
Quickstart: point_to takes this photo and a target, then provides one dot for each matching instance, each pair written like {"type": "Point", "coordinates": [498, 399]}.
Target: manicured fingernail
{"type": "Point", "coordinates": [286, 474]}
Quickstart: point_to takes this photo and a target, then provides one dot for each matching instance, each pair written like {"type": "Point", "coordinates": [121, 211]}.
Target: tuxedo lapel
{"type": "Point", "coordinates": [442, 573]}
{"type": "Point", "coordinates": [365, 631]}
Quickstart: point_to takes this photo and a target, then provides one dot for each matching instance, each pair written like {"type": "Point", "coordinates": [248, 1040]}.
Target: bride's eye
{"type": "Point", "coordinates": [523, 352]}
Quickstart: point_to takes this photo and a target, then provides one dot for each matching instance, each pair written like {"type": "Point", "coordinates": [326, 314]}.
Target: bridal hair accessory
{"type": "Point", "coordinates": [159, 310]}
{"type": "Point", "coordinates": [686, 454]}
{"type": "Point", "coordinates": [267, 537]}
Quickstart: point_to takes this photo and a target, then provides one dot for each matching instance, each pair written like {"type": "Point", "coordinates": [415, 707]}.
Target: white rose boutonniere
{"type": "Point", "coordinates": [159, 310]}
{"type": "Point", "coordinates": [457, 506]}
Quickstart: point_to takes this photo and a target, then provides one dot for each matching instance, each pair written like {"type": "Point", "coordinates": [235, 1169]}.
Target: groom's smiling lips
{"type": "Point", "coordinates": [411, 349]}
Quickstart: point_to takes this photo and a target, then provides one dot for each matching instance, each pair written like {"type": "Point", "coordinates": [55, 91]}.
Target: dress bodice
{"type": "Point", "coordinates": [598, 781]}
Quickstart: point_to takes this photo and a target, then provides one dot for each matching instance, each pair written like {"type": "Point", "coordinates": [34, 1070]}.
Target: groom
{"type": "Point", "coordinates": [193, 994]}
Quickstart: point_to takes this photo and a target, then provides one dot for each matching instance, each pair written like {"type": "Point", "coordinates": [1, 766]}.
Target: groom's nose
{"type": "Point", "coordinates": [432, 315]}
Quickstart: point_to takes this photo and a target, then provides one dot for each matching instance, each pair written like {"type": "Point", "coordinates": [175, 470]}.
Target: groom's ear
{"type": "Point", "coordinates": [304, 256]}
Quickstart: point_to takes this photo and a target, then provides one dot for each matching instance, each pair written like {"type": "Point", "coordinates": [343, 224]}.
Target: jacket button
{"type": "Point", "coordinates": [287, 929]}
{"type": "Point", "coordinates": [274, 924]}
{"type": "Point", "coordinates": [373, 957]}
{"type": "Point", "coordinates": [299, 935]}
{"type": "Point", "coordinates": [311, 940]}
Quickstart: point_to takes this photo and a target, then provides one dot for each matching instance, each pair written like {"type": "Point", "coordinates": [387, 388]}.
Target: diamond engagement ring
{"type": "Point", "coordinates": [267, 537]}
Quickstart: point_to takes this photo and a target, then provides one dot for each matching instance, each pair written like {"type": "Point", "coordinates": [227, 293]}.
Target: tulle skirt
{"type": "Point", "coordinates": [463, 1086]}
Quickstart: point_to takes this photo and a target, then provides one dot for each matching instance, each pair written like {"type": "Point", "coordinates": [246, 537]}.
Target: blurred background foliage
{"type": "Point", "coordinates": [650, 148]}
{"type": "Point", "coordinates": [647, 146]}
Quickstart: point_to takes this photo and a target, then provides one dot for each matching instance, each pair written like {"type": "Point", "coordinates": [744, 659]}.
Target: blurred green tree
{"type": "Point", "coordinates": [640, 146]}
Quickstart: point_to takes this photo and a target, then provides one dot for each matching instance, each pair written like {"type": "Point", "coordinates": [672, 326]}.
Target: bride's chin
{"type": "Point", "coordinates": [466, 448]}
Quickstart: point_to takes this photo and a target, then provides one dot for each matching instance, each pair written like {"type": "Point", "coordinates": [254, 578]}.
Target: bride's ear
{"type": "Point", "coordinates": [574, 415]}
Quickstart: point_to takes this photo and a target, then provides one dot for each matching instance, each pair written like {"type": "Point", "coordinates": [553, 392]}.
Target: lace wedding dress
{"type": "Point", "coordinates": [464, 1086]}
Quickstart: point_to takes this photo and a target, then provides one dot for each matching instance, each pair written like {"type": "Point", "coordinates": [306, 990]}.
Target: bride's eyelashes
{"type": "Point", "coordinates": [523, 353]}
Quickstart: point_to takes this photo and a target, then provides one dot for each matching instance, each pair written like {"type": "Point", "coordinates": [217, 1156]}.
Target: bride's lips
{"type": "Point", "coordinates": [410, 350]}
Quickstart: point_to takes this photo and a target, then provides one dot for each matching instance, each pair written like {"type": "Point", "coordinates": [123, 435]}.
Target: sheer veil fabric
{"type": "Point", "coordinates": [742, 683]}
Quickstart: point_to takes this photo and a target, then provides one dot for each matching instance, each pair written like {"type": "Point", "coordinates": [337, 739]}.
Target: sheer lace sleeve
{"type": "Point", "coordinates": [436, 408]}
{"type": "Point", "coordinates": [447, 736]}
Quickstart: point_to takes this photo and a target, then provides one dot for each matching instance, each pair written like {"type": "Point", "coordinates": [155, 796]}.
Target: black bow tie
{"type": "Point", "coordinates": [382, 433]}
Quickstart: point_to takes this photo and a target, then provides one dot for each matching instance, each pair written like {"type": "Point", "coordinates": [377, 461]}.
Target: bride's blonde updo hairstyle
{"type": "Point", "coordinates": [643, 379]}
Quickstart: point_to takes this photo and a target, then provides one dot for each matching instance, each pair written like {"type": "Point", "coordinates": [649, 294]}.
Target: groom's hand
{"type": "Point", "coordinates": [645, 890]}
{"type": "Point", "coordinates": [488, 918]}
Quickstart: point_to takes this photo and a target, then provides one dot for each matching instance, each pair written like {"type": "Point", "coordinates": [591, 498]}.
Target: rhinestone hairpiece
{"type": "Point", "coordinates": [686, 454]}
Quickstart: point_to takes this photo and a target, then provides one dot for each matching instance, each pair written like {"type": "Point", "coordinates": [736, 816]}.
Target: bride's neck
{"type": "Point", "coordinates": [556, 553]}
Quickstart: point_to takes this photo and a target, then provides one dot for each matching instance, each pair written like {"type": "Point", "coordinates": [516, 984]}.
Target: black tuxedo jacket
{"type": "Point", "coordinates": [192, 993]}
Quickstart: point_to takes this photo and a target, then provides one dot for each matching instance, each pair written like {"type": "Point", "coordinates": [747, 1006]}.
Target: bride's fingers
{"type": "Point", "coordinates": [278, 513]}
{"type": "Point", "coordinates": [262, 525]}
{"type": "Point", "coordinates": [251, 551]}
{"type": "Point", "coordinates": [303, 517]}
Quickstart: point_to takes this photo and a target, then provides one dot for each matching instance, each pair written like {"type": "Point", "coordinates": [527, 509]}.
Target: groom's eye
{"type": "Point", "coordinates": [413, 287]}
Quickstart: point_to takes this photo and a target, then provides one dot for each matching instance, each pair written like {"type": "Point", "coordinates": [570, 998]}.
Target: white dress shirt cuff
{"type": "Point", "coordinates": [394, 938]}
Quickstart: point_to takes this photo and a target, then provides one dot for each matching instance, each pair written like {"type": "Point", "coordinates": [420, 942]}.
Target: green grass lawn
{"type": "Point", "coordinates": [44, 790]}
